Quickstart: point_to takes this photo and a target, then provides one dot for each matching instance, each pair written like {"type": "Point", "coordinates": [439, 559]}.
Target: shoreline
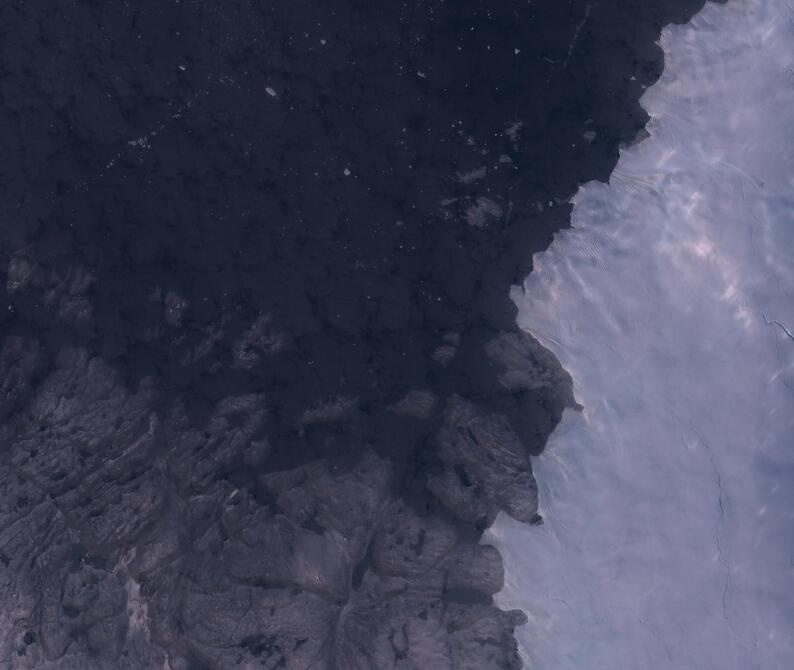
{"type": "Point", "coordinates": [661, 504]}
{"type": "Point", "coordinates": [265, 386]}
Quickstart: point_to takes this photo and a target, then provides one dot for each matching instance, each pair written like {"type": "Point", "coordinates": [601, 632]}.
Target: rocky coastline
{"type": "Point", "coordinates": [261, 385]}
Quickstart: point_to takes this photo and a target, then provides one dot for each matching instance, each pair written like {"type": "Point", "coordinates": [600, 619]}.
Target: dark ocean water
{"type": "Point", "coordinates": [261, 382]}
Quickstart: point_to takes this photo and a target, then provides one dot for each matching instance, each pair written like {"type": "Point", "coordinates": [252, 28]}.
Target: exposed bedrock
{"type": "Point", "coordinates": [126, 542]}
{"type": "Point", "coordinates": [261, 386]}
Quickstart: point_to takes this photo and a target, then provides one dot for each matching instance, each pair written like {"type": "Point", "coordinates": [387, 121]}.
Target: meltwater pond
{"type": "Point", "coordinates": [668, 501]}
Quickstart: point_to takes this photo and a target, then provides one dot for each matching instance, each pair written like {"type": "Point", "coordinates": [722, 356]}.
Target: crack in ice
{"type": "Point", "coordinates": [718, 533]}
{"type": "Point", "coordinates": [578, 30]}
{"type": "Point", "coordinates": [775, 322]}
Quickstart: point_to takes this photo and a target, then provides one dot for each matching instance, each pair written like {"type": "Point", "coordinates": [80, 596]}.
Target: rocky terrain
{"type": "Point", "coordinates": [261, 386]}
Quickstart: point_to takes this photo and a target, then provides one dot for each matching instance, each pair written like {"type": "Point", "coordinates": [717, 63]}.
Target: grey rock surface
{"type": "Point", "coordinates": [123, 546]}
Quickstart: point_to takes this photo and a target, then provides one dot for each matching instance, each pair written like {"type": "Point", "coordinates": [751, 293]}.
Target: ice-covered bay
{"type": "Point", "coordinates": [669, 501]}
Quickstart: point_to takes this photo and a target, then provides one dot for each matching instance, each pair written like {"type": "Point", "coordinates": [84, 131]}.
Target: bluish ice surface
{"type": "Point", "coordinates": [669, 500]}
